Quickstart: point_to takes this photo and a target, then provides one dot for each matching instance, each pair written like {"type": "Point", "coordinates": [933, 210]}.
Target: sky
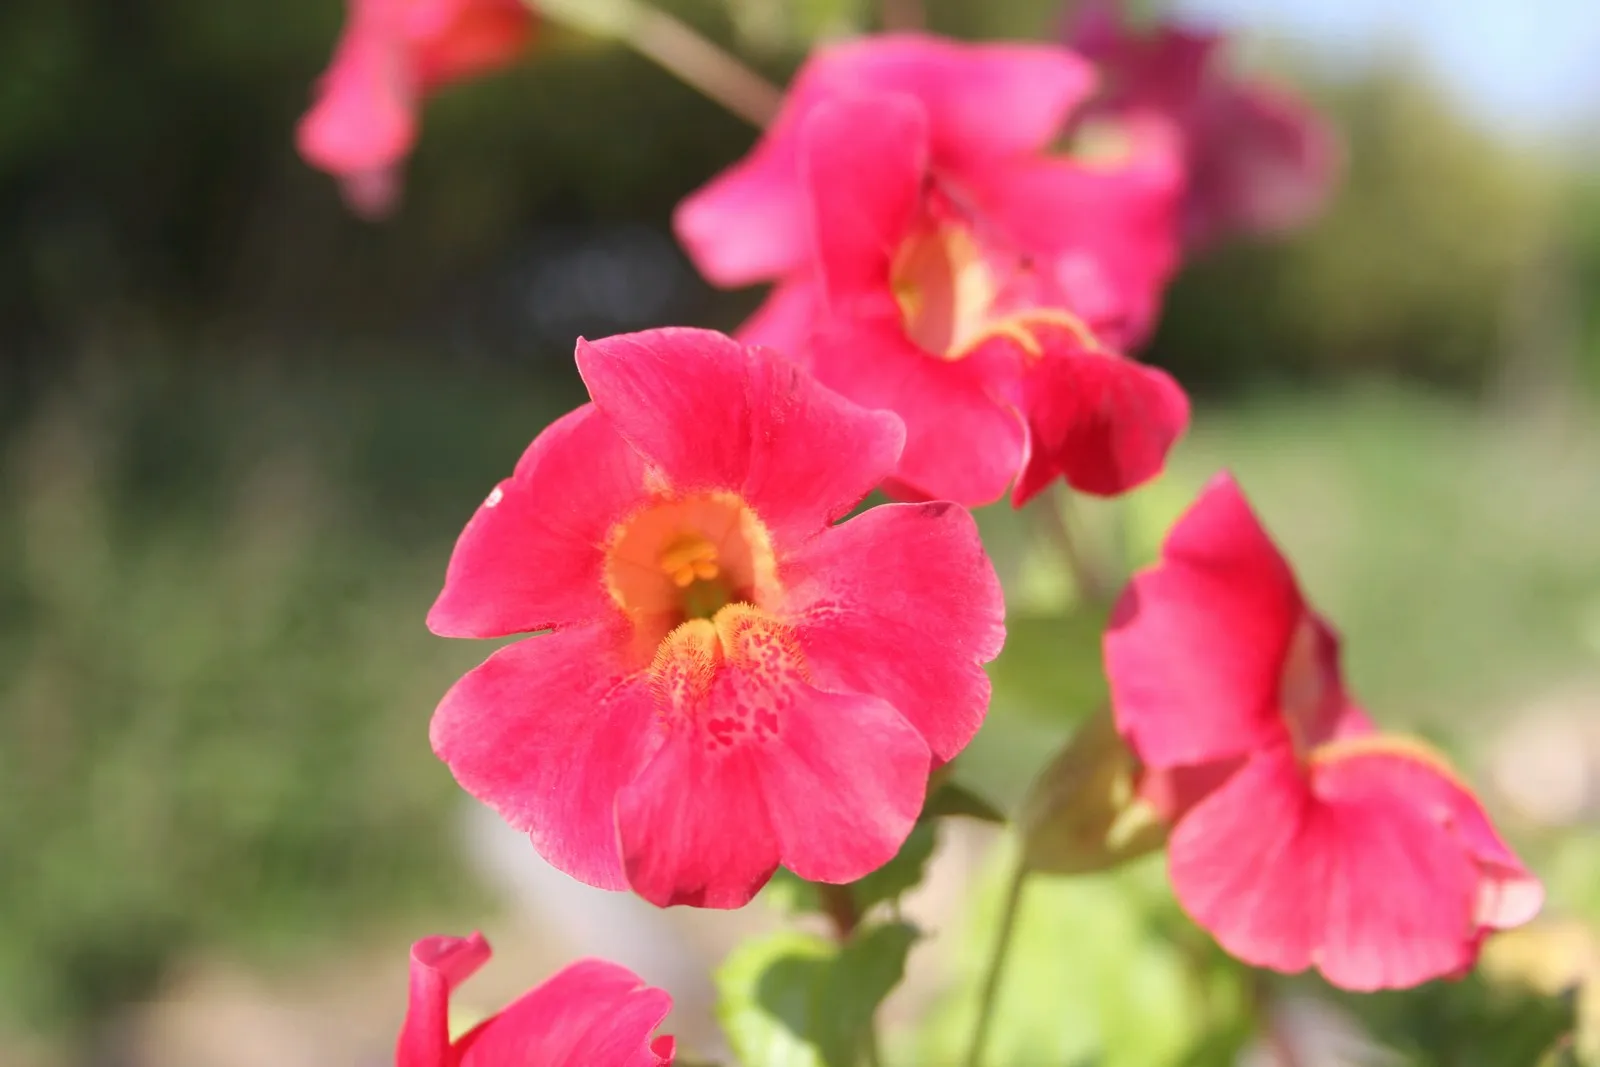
{"type": "Point", "coordinates": [1528, 66]}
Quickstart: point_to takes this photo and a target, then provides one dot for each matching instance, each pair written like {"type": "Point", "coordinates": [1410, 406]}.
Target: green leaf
{"type": "Point", "coordinates": [900, 874]}
{"type": "Point", "coordinates": [790, 893]}
{"type": "Point", "coordinates": [798, 1000]}
{"type": "Point", "coordinates": [953, 799]}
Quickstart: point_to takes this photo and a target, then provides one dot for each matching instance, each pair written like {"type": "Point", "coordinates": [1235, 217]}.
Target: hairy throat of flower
{"type": "Point", "coordinates": [687, 558]}
{"type": "Point", "coordinates": [953, 299]}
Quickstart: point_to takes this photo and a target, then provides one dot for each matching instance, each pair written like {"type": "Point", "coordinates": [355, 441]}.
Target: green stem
{"type": "Point", "coordinates": [676, 47]}
{"type": "Point", "coordinates": [997, 963]}
{"type": "Point", "coordinates": [840, 905]}
{"type": "Point", "coordinates": [1054, 518]}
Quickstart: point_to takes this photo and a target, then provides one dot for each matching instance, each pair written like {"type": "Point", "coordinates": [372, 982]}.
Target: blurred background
{"type": "Point", "coordinates": [240, 429]}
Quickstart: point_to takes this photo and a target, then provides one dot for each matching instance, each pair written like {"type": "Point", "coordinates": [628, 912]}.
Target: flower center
{"type": "Point", "coordinates": [687, 558]}
{"type": "Point", "coordinates": [954, 297]}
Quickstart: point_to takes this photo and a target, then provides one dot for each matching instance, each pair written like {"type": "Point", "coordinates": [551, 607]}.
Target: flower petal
{"type": "Point", "coordinates": [591, 1014]}
{"type": "Point", "coordinates": [985, 101]}
{"type": "Point", "coordinates": [1196, 646]}
{"type": "Point", "coordinates": [458, 39]}
{"type": "Point", "coordinates": [844, 781]}
{"type": "Point", "coordinates": [865, 160]}
{"type": "Point", "coordinates": [1348, 872]}
{"type": "Point", "coordinates": [694, 827]}
{"type": "Point", "coordinates": [901, 602]}
{"type": "Point", "coordinates": [547, 731]}
{"type": "Point", "coordinates": [1405, 909]}
{"type": "Point", "coordinates": [713, 414]}
{"type": "Point", "coordinates": [438, 966]}
{"type": "Point", "coordinates": [532, 556]}
{"type": "Point", "coordinates": [1508, 895]}
{"type": "Point", "coordinates": [1106, 234]}
{"type": "Point", "coordinates": [962, 442]}
{"type": "Point", "coordinates": [1102, 421]}
{"type": "Point", "coordinates": [364, 118]}
{"type": "Point", "coordinates": [786, 318]}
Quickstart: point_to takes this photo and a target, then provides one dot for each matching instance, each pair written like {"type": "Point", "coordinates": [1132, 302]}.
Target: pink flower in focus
{"type": "Point", "coordinates": [1303, 838]}
{"type": "Point", "coordinates": [1259, 160]}
{"type": "Point", "coordinates": [733, 682]}
{"type": "Point", "coordinates": [592, 1013]}
{"type": "Point", "coordinates": [391, 54]}
{"type": "Point", "coordinates": [959, 305]}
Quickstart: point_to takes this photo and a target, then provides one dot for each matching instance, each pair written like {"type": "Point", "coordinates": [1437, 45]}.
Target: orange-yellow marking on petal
{"type": "Point", "coordinates": [948, 295]}
{"type": "Point", "coordinates": [680, 558]}
{"type": "Point", "coordinates": [1400, 746]}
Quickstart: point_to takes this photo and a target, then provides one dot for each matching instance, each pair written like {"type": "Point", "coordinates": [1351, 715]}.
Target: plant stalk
{"type": "Point", "coordinates": [676, 47]}
{"type": "Point", "coordinates": [989, 996]}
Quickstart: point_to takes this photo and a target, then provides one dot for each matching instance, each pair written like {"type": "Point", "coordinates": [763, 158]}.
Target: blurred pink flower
{"type": "Point", "coordinates": [960, 307]}
{"type": "Point", "coordinates": [1259, 159]}
{"type": "Point", "coordinates": [1303, 838]}
{"type": "Point", "coordinates": [592, 1013]}
{"type": "Point", "coordinates": [391, 54]}
{"type": "Point", "coordinates": [935, 257]}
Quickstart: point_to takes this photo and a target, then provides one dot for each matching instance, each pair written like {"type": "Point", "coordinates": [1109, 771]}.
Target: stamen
{"type": "Point", "coordinates": [689, 558]}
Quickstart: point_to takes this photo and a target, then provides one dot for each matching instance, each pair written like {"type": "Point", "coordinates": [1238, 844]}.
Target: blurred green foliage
{"type": "Point", "coordinates": [214, 677]}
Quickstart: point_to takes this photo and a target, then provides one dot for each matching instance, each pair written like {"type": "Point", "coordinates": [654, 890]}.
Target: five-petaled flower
{"type": "Point", "coordinates": [733, 682]}
{"type": "Point", "coordinates": [934, 259]}
{"type": "Point", "coordinates": [1313, 841]}
{"type": "Point", "coordinates": [592, 1013]}
{"type": "Point", "coordinates": [392, 53]}
{"type": "Point", "coordinates": [1258, 159]}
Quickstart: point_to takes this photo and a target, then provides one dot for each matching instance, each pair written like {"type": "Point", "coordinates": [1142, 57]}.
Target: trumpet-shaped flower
{"type": "Point", "coordinates": [991, 111]}
{"type": "Point", "coordinates": [592, 1013]}
{"type": "Point", "coordinates": [391, 54]}
{"type": "Point", "coordinates": [1259, 160]}
{"type": "Point", "coordinates": [733, 682]}
{"type": "Point", "coordinates": [1303, 838]}
{"type": "Point", "coordinates": [959, 308]}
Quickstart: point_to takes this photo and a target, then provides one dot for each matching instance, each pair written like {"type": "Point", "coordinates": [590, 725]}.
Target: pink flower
{"type": "Point", "coordinates": [733, 682]}
{"type": "Point", "coordinates": [1259, 160]}
{"type": "Point", "coordinates": [592, 1013]}
{"type": "Point", "coordinates": [1303, 838]}
{"type": "Point", "coordinates": [391, 54]}
{"type": "Point", "coordinates": [959, 306]}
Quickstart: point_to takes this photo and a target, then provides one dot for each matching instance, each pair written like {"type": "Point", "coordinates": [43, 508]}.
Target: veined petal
{"type": "Point", "coordinates": [963, 443]}
{"type": "Point", "coordinates": [901, 602]}
{"type": "Point", "coordinates": [438, 966]}
{"type": "Point", "coordinates": [591, 1014]}
{"type": "Point", "coordinates": [1348, 873]}
{"type": "Point", "coordinates": [1196, 647]}
{"type": "Point", "coordinates": [1507, 894]}
{"type": "Point", "coordinates": [532, 556]}
{"type": "Point", "coordinates": [1103, 422]}
{"type": "Point", "coordinates": [715, 415]}
{"type": "Point", "coordinates": [864, 160]}
{"type": "Point", "coordinates": [547, 731]}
